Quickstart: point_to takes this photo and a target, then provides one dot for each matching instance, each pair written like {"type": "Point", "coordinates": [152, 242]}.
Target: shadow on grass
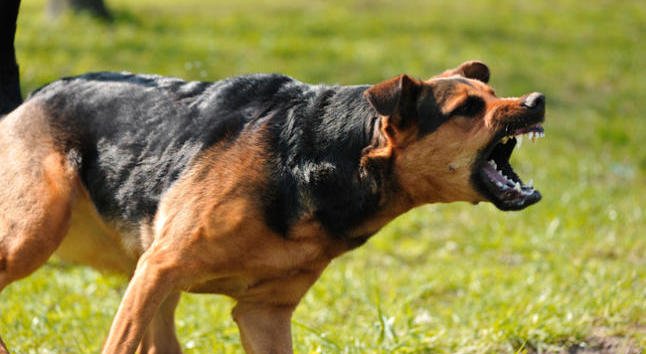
{"type": "Point", "coordinates": [600, 342]}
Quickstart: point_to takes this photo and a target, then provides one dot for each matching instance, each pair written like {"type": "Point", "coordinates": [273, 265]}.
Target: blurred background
{"type": "Point", "coordinates": [567, 275]}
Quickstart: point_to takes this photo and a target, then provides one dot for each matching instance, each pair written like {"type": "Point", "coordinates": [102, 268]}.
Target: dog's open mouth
{"type": "Point", "coordinates": [496, 178]}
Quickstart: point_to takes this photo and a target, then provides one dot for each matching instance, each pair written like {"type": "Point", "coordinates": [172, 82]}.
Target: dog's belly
{"type": "Point", "coordinates": [231, 286]}
{"type": "Point", "coordinates": [93, 242]}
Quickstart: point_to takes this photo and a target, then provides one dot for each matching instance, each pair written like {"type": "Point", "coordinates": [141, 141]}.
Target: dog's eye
{"type": "Point", "coordinates": [471, 107]}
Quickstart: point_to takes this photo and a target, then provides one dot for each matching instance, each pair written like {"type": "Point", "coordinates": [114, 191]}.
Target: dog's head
{"type": "Point", "coordinates": [450, 137]}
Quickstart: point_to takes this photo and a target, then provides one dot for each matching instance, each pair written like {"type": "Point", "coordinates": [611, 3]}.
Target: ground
{"type": "Point", "coordinates": [565, 276]}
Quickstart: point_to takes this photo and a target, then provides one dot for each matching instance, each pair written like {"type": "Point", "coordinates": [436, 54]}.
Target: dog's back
{"type": "Point", "coordinates": [131, 136]}
{"type": "Point", "coordinates": [134, 135]}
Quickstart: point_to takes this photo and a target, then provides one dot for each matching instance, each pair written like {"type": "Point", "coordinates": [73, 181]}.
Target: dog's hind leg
{"type": "Point", "coordinates": [264, 328]}
{"type": "Point", "coordinates": [160, 336]}
{"type": "Point", "coordinates": [154, 281]}
{"type": "Point", "coordinates": [37, 184]}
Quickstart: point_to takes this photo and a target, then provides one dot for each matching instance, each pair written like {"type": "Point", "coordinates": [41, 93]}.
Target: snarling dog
{"type": "Point", "coordinates": [247, 187]}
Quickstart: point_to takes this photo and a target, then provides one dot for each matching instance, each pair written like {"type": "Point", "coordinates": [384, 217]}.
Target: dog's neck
{"type": "Point", "coordinates": [350, 193]}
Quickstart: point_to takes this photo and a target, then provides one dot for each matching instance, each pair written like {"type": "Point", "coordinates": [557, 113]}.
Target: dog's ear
{"type": "Point", "coordinates": [396, 98]}
{"type": "Point", "coordinates": [473, 69]}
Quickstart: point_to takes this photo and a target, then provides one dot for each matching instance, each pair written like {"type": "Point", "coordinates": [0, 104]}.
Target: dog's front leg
{"type": "Point", "coordinates": [154, 279]}
{"type": "Point", "coordinates": [264, 328]}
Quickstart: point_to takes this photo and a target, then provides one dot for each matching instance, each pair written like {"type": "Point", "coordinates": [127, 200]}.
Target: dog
{"type": "Point", "coordinates": [246, 187]}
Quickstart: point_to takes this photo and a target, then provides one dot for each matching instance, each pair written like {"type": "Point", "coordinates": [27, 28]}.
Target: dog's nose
{"type": "Point", "coordinates": [534, 100]}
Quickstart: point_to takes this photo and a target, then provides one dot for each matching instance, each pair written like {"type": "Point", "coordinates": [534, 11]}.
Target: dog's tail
{"type": "Point", "coordinates": [10, 96]}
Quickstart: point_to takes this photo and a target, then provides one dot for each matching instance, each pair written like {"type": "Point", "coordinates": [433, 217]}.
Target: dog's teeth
{"type": "Point", "coordinates": [530, 183]}
{"type": "Point", "coordinates": [530, 135]}
{"type": "Point", "coordinates": [504, 140]}
{"type": "Point", "coordinates": [492, 163]}
{"type": "Point", "coordinates": [519, 141]}
{"type": "Point", "coordinates": [517, 186]}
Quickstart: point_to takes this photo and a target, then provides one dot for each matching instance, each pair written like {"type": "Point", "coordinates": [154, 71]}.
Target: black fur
{"type": "Point", "coordinates": [318, 145]}
{"type": "Point", "coordinates": [10, 96]}
{"type": "Point", "coordinates": [135, 134]}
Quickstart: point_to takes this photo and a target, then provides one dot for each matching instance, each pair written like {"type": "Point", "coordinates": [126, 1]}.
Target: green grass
{"type": "Point", "coordinates": [443, 278]}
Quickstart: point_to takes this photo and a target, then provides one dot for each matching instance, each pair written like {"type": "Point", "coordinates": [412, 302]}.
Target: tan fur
{"type": "Point", "coordinates": [34, 212]}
